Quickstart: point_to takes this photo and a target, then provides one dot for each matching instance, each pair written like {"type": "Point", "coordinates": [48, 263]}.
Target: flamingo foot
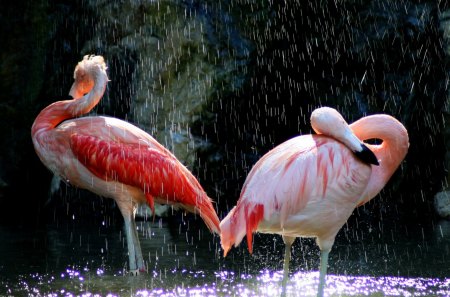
{"type": "Point", "coordinates": [134, 272]}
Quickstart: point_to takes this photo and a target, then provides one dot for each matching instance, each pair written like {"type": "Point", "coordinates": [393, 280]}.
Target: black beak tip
{"type": "Point", "coordinates": [376, 163]}
{"type": "Point", "coordinates": [367, 156]}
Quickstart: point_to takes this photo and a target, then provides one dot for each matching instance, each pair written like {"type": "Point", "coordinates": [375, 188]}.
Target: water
{"type": "Point", "coordinates": [77, 258]}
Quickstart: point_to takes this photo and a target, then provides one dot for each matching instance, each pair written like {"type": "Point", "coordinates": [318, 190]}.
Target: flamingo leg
{"type": "Point", "coordinates": [288, 241]}
{"type": "Point", "coordinates": [137, 247]}
{"type": "Point", "coordinates": [134, 248]}
{"type": "Point", "coordinates": [129, 226]}
{"type": "Point", "coordinates": [323, 271]}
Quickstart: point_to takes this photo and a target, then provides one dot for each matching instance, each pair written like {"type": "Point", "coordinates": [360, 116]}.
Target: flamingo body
{"type": "Point", "coordinates": [113, 158]}
{"type": "Point", "coordinates": [308, 186]}
{"type": "Point", "coordinates": [293, 188]}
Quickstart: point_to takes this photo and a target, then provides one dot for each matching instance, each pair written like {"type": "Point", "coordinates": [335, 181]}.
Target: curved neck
{"type": "Point", "coordinates": [55, 113]}
{"type": "Point", "coordinates": [390, 152]}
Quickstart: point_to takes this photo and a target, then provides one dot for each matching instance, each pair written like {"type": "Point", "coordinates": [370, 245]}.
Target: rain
{"type": "Point", "coordinates": [220, 84]}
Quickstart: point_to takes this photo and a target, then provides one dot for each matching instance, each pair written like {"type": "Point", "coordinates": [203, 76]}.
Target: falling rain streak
{"type": "Point", "coordinates": [220, 83]}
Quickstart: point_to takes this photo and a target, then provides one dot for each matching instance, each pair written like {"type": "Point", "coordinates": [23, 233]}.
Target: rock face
{"type": "Point", "coordinates": [167, 62]}
{"type": "Point", "coordinates": [159, 67]}
{"type": "Point", "coordinates": [442, 199]}
{"type": "Point", "coordinates": [362, 57]}
{"type": "Point", "coordinates": [442, 204]}
{"type": "Point", "coordinates": [222, 82]}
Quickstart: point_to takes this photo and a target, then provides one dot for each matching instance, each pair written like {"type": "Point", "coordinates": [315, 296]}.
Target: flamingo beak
{"type": "Point", "coordinates": [366, 155]}
{"type": "Point", "coordinates": [361, 151]}
{"type": "Point", "coordinates": [74, 91]}
{"type": "Point", "coordinates": [81, 86]}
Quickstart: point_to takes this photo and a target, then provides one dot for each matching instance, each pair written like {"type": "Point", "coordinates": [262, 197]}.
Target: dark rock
{"type": "Point", "coordinates": [442, 204]}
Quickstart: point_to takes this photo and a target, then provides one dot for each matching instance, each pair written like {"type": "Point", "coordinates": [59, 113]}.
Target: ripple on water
{"type": "Point", "coordinates": [83, 282]}
{"type": "Point", "coordinates": [42, 272]}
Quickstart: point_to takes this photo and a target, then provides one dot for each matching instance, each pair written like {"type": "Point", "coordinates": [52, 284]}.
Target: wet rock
{"type": "Point", "coordinates": [166, 64]}
{"type": "Point", "coordinates": [361, 57]}
{"type": "Point", "coordinates": [442, 199]}
{"type": "Point", "coordinates": [442, 204]}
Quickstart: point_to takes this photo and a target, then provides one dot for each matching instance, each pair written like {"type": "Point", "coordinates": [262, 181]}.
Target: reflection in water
{"type": "Point", "coordinates": [185, 260]}
{"type": "Point", "coordinates": [194, 283]}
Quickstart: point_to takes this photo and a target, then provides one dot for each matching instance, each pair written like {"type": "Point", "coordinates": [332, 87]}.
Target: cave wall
{"type": "Point", "coordinates": [442, 198]}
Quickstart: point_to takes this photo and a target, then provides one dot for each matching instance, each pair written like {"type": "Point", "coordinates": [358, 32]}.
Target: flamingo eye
{"type": "Point", "coordinates": [373, 141]}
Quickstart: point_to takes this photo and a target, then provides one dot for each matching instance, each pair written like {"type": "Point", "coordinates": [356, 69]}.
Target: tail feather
{"type": "Point", "coordinates": [252, 219]}
{"type": "Point", "coordinates": [242, 220]}
{"type": "Point", "coordinates": [205, 209]}
{"type": "Point", "coordinates": [203, 205]}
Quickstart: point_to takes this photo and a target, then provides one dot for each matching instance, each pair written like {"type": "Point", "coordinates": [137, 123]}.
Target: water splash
{"type": "Point", "coordinates": [82, 282]}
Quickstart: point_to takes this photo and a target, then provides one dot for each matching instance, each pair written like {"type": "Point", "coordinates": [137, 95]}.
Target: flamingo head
{"type": "Point", "coordinates": [329, 122]}
{"type": "Point", "coordinates": [85, 74]}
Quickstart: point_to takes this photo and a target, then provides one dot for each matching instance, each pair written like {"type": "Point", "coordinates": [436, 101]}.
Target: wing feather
{"type": "Point", "coordinates": [156, 172]}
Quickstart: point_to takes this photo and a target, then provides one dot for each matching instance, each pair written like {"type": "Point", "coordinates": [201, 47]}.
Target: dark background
{"type": "Point", "coordinates": [291, 58]}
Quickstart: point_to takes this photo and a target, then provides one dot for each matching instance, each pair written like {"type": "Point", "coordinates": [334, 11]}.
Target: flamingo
{"type": "Point", "coordinates": [309, 185]}
{"type": "Point", "coordinates": [113, 158]}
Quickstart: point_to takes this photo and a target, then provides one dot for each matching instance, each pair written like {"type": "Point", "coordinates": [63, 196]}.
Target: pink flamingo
{"type": "Point", "coordinates": [113, 158]}
{"type": "Point", "coordinates": [308, 186]}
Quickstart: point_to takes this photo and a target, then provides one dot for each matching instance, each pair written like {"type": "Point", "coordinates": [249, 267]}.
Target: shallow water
{"type": "Point", "coordinates": [82, 259]}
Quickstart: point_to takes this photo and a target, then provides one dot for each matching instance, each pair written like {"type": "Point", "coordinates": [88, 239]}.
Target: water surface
{"type": "Point", "coordinates": [183, 259]}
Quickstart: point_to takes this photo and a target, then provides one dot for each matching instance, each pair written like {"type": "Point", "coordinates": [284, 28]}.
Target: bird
{"type": "Point", "coordinates": [113, 158]}
{"type": "Point", "coordinates": [309, 185]}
